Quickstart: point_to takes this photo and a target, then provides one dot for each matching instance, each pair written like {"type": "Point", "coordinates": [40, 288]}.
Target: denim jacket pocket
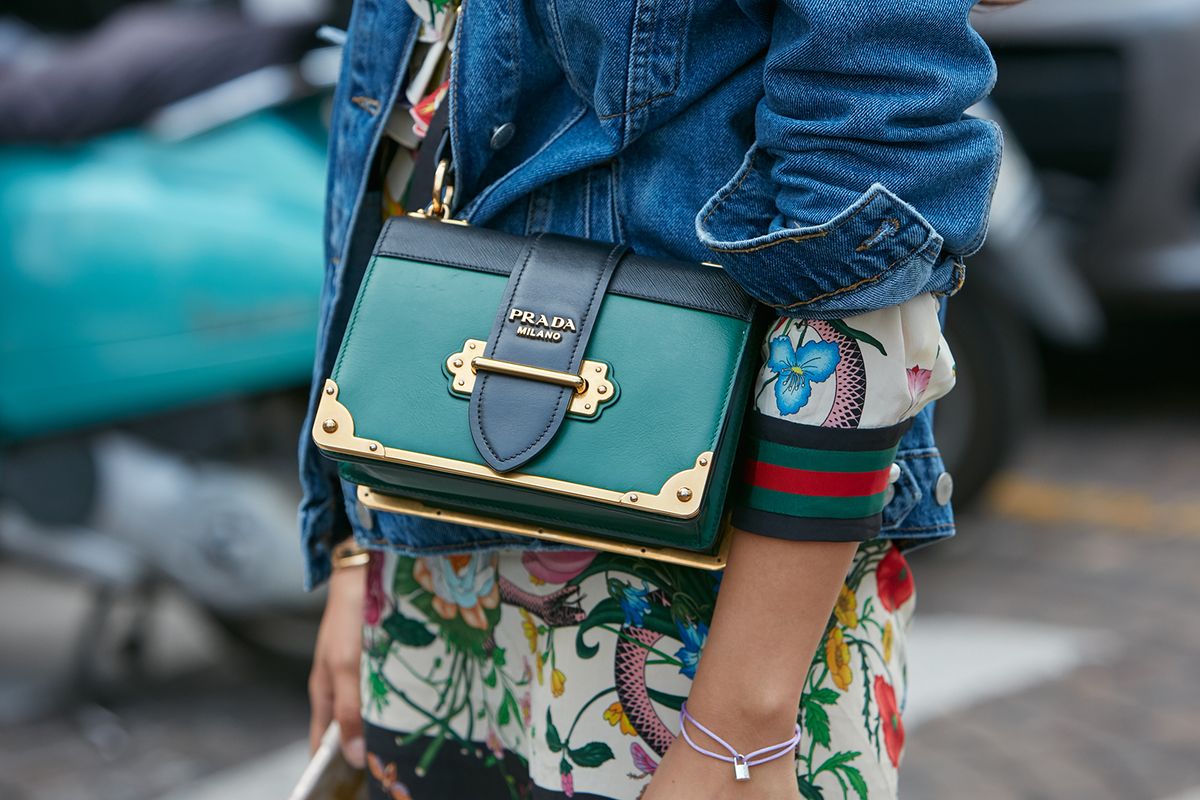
{"type": "Point", "coordinates": [879, 252]}
{"type": "Point", "coordinates": [623, 56]}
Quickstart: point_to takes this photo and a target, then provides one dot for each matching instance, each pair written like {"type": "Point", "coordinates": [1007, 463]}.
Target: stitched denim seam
{"type": "Point", "coordinates": [516, 47]}
{"type": "Point", "coordinates": [631, 67]}
{"type": "Point", "coordinates": [638, 107]}
{"type": "Point", "coordinates": [960, 277]}
{"type": "Point", "coordinates": [639, 58]}
{"type": "Point", "coordinates": [685, 20]}
{"type": "Point", "coordinates": [615, 182]}
{"type": "Point", "coordinates": [728, 190]}
{"type": "Point", "coordinates": [862, 204]}
{"type": "Point", "coordinates": [453, 106]}
{"type": "Point", "coordinates": [564, 59]}
{"type": "Point", "coordinates": [587, 203]}
{"type": "Point", "coordinates": [943, 526]}
{"type": "Point", "coordinates": [528, 217]}
{"type": "Point", "coordinates": [889, 227]}
{"type": "Point", "coordinates": [932, 240]}
{"type": "Point", "coordinates": [360, 191]}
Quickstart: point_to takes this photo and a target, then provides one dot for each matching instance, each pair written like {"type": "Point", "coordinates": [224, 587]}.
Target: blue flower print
{"type": "Point", "coordinates": [635, 605]}
{"type": "Point", "coordinates": [693, 635]}
{"type": "Point", "coordinates": [796, 369]}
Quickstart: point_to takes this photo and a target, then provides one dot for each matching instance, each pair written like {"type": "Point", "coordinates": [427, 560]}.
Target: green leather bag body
{"type": "Point", "coordinates": [547, 386]}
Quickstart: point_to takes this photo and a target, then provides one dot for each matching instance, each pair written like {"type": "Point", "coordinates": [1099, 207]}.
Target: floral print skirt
{"type": "Point", "coordinates": [560, 674]}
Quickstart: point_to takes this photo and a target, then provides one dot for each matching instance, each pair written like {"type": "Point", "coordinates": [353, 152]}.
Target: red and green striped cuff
{"type": "Point", "coordinates": [817, 484]}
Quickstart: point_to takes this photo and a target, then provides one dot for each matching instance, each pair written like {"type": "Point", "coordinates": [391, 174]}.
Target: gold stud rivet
{"type": "Point", "coordinates": [601, 389]}
{"type": "Point", "coordinates": [684, 494]}
{"type": "Point", "coordinates": [703, 461]}
{"type": "Point", "coordinates": [328, 390]}
{"type": "Point", "coordinates": [599, 369]}
{"type": "Point", "coordinates": [457, 362]}
{"type": "Point", "coordinates": [587, 406]}
{"type": "Point", "coordinates": [372, 447]}
{"type": "Point", "coordinates": [633, 498]}
{"type": "Point", "coordinates": [329, 425]}
{"type": "Point", "coordinates": [470, 347]}
{"type": "Point", "coordinates": [461, 382]}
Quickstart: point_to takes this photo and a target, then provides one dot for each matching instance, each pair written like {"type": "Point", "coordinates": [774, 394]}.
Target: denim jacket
{"type": "Point", "coordinates": [818, 149]}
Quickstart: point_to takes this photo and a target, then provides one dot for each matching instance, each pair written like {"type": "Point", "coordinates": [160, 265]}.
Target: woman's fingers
{"type": "Point", "coordinates": [348, 713]}
{"type": "Point", "coordinates": [320, 698]}
{"type": "Point", "coordinates": [334, 687]}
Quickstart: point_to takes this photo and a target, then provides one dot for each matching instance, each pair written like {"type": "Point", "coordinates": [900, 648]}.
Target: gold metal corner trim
{"type": "Point", "coordinates": [333, 427]}
{"type": "Point", "coordinates": [598, 387]}
{"type": "Point", "coordinates": [681, 496]}
{"type": "Point", "coordinates": [378, 501]}
{"type": "Point", "coordinates": [682, 490]}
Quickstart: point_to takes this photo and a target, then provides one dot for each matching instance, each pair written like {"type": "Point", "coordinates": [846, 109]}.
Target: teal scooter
{"type": "Point", "coordinates": [160, 300]}
{"type": "Point", "coordinates": [142, 275]}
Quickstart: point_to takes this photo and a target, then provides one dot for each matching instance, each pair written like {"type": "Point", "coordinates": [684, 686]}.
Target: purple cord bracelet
{"type": "Point", "coordinates": [741, 763]}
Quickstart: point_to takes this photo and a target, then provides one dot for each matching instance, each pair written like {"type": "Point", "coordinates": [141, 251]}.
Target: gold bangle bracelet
{"type": "Point", "coordinates": [349, 554]}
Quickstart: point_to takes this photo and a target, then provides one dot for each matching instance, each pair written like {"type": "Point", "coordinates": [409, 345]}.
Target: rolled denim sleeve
{"type": "Point", "coordinates": [868, 182]}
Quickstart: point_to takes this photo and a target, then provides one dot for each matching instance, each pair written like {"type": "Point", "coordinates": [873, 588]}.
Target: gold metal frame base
{"type": "Point", "coordinates": [379, 501]}
{"type": "Point", "coordinates": [680, 496]}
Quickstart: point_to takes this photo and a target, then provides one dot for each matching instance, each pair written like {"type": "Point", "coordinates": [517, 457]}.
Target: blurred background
{"type": "Point", "coordinates": [161, 179]}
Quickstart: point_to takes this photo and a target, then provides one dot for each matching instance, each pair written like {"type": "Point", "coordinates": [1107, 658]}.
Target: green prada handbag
{"type": "Point", "coordinates": [553, 387]}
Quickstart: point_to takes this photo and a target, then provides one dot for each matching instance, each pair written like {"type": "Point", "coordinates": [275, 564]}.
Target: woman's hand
{"type": "Point", "coordinates": [333, 684]}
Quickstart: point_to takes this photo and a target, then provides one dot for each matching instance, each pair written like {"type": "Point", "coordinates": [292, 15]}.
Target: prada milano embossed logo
{"type": "Point", "coordinates": [533, 325]}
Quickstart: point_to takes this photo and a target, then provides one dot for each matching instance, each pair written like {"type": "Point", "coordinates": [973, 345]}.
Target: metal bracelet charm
{"type": "Point", "coordinates": [741, 763]}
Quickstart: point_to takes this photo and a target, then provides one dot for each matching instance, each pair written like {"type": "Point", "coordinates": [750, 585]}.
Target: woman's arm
{"type": "Point", "coordinates": [775, 599]}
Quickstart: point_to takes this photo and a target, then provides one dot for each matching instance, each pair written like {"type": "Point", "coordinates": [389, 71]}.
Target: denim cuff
{"type": "Point", "coordinates": [879, 252]}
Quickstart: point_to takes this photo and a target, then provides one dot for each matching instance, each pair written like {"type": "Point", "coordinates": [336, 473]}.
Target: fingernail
{"type": "Point", "coordinates": [355, 752]}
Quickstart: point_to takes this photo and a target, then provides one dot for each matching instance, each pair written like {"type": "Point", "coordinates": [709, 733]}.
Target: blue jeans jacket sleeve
{"type": "Point", "coordinates": [851, 90]}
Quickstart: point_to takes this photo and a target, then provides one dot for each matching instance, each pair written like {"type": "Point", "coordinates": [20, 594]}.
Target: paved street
{"type": "Point", "coordinates": [1056, 653]}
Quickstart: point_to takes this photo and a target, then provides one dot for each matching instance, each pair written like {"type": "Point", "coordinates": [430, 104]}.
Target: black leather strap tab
{"type": "Point", "coordinates": [545, 320]}
{"type": "Point", "coordinates": [433, 148]}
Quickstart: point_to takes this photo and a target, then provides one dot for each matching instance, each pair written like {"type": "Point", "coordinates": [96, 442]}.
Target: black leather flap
{"type": "Point", "coordinates": [545, 318]}
{"type": "Point", "coordinates": [680, 283]}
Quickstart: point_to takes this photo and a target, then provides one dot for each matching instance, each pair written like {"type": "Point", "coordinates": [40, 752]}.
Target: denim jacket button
{"type": "Point", "coordinates": [894, 473]}
{"type": "Point", "coordinates": [943, 489]}
{"type": "Point", "coordinates": [502, 135]}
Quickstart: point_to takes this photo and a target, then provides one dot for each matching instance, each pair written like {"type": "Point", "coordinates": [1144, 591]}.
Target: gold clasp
{"type": "Point", "coordinates": [516, 370]}
{"type": "Point", "coordinates": [593, 386]}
